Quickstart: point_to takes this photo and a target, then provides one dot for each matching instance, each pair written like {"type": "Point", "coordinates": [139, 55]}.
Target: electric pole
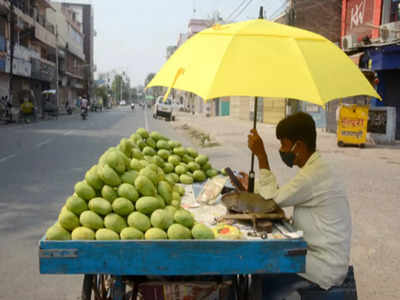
{"type": "Point", "coordinates": [57, 65]}
{"type": "Point", "coordinates": [12, 44]}
{"type": "Point", "coordinates": [292, 13]}
{"type": "Point", "coordinates": [293, 104]}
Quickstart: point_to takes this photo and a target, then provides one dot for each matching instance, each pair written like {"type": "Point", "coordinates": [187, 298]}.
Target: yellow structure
{"type": "Point", "coordinates": [352, 125]}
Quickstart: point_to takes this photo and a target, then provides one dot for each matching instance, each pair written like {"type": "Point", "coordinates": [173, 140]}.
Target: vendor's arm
{"type": "Point", "coordinates": [295, 192]}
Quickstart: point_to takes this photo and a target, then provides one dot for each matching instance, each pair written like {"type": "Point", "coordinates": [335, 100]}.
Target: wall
{"type": "Point", "coordinates": [64, 31]}
{"type": "Point", "coordinates": [240, 107]}
{"type": "Point", "coordinates": [274, 110]}
{"type": "Point", "coordinates": [317, 112]}
{"type": "Point", "coordinates": [390, 92]}
{"type": "Point", "coordinates": [323, 17]}
{"type": "Point", "coordinates": [390, 131]}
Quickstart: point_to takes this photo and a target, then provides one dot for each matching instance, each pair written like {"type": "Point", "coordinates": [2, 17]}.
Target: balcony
{"type": "Point", "coordinates": [46, 24]}
{"type": "Point", "coordinates": [45, 36]}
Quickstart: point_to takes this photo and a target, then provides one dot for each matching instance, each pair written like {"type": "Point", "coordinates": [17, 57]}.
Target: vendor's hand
{"type": "Point", "coordinates": [256, 144]}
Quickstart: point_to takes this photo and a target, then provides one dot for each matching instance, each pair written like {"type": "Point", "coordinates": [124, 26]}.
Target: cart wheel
{"type": "Point", "coordinates": [362, 145]}
{"type": "Point", "coordinates": [340, 144]}
{"type": "Point", "coordinates": [87, 287]}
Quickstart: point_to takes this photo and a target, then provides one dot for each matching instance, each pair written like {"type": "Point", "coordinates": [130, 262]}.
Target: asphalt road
{"type": "Point", "coordinates": [39, 165]}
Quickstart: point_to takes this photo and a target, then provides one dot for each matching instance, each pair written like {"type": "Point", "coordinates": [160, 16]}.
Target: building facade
{"type": "Point", "coordinates": [85, 15]}
{"type": "Point", "coordinates": [28, 39]}
{"type": "Point", "coordinates": [71, 58]}
{"type": "Point", "coordinates": [36, 35]}
{"type": "Point", "coordinates": [370, 34]}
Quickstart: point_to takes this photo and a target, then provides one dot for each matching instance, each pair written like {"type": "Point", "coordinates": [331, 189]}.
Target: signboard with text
{"type": "Point", "coordinates": [361, 17]}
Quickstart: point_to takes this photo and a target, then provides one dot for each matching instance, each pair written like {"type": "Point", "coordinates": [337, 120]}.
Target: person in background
{"type": "Point", "coordinates": [28, 109]}
{"type": "Point", "coordinates": [84, 103]}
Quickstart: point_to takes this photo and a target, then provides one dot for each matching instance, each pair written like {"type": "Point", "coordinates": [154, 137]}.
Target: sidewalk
{"type": "Point", "coordinates": [372, 177]}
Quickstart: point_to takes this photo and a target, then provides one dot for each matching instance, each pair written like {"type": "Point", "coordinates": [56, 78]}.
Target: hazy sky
{"type": "Point", "coordinates": [132, 35]}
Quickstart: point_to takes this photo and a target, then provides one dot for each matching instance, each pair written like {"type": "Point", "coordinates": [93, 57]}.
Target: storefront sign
{"type": "Point", "coordinates": [361, 17]}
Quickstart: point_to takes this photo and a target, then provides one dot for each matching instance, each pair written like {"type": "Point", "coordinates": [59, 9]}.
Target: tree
{"type": "Point", "coordinates": [155, 91]}
{"type": "Point", "coordinates": [149, 78]}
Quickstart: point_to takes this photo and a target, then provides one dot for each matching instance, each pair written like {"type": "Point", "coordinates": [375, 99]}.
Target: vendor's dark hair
{"type": "Point", "coordinates": [299, 126]}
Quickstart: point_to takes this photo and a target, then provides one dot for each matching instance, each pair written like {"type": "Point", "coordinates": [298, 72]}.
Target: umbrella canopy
{"type": "Point", "coordinates": [263, 59]}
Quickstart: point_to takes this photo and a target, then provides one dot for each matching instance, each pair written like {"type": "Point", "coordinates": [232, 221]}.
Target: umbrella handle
{"type": "Point", "coordinates": [252, 177]}
{"type": "Point", "coordinates": [251, 173]}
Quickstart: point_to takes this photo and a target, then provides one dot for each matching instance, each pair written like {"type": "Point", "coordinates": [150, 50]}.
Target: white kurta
{"type": "Point", "coordinates": [322, 212]}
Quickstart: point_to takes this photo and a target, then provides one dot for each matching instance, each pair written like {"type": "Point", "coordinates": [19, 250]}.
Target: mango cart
{"type": "Point", "coordinates": [108, 265]}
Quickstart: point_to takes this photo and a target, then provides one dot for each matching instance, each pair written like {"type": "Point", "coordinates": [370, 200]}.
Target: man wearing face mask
{"type": "Point", "coordinates": [321, 209]}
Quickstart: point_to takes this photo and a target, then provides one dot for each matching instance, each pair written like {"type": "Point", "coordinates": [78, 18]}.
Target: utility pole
{"type": "Point", "coordinates": [293, 104]}
{"type": "Point", "coordinates": [292, 13]}
{"type": "Point", "coordinates": [12, 45]}
{"type": "Point", "coordinates": [120, 89]}
{"type": "Point", "coordinates": [57, 66]}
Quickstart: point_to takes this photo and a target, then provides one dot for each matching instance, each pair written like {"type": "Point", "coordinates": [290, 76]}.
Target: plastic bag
{"type": "Point", "coordinates": [211, 190]}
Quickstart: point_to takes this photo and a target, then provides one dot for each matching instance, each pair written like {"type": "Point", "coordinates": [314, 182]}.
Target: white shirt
{"type": "Point", "coordinates": [84, 103]}
{"type": "Point", "coordinates": [322, 212]}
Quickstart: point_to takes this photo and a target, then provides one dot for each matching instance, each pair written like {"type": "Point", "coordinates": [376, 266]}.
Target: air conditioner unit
{"type": "Point", "coordinates": [349, 42]}
{"type": "Point", "coordinates": [389, 32]}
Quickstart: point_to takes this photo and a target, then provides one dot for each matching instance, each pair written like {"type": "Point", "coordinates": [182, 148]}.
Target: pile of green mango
{"type": "Point", "coordinates": [133, 193]}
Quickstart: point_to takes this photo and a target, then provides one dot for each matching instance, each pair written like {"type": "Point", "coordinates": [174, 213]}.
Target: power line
{"type": "Point", "coordinates": [236, 9]}
{"type": "Point", "coordinates": [279, 10]}
{"type": "Point", "coordinates": [243, 9]}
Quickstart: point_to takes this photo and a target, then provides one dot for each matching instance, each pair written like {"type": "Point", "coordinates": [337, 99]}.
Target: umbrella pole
{"type": "Point", "coordinates": [251, 173]}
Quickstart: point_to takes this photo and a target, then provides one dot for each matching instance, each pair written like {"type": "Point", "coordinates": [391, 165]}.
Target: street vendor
{"type": "Point", "coordinates": [321, 209]}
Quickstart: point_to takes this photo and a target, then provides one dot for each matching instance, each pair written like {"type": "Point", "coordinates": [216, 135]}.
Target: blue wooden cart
{"type": "Point", "coordinates": [122, 259]}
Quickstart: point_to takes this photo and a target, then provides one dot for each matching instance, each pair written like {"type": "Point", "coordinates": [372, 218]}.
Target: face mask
{"type": "Point", "coordinates": [288, 157]}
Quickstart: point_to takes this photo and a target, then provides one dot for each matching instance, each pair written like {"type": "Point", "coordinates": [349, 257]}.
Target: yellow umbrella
{"type": "Point", "coordinates": [262, 59]}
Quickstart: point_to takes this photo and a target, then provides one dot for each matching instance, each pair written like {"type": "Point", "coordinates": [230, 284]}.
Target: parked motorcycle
{"type": "Point", "coordinates": [84, 113]}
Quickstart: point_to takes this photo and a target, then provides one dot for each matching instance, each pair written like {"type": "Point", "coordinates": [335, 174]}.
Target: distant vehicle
{"type": "Point", "coordinates": [165, 109]}
{"type": "Point", "coordinates": [122, 103]}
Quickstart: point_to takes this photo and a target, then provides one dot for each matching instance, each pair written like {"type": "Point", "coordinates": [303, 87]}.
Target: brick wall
{"type": "Point", "coordinates": [322, 17]}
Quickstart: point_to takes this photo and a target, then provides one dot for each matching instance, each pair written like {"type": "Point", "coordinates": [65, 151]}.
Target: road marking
{"type": "Point", "coordinates": [7, 158]}
{"type": "Point", "coordinates": [43, 143]}
{"type": "Point", "coordinates": [146, 122]}
{"type": "Point", "coordinates": [68, 132]}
